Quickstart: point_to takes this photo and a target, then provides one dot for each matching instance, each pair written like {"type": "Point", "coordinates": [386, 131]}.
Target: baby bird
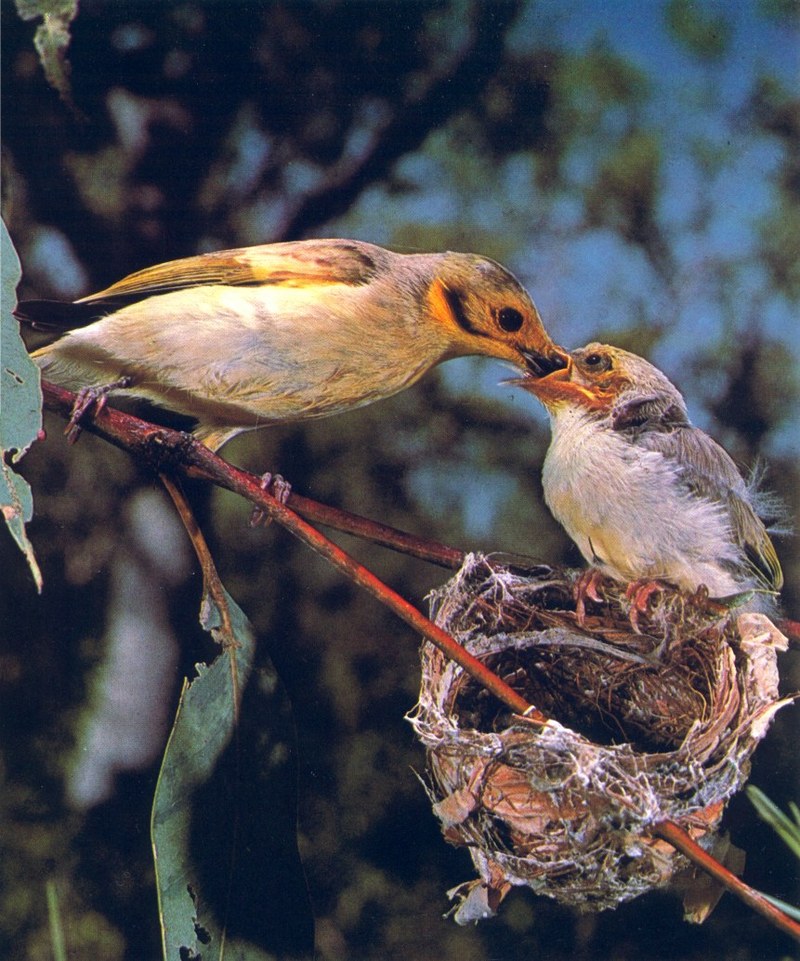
{"type": "Point", "coordinates": [241, 339]}
{"type": "Point", "coordinates": [644, 494]}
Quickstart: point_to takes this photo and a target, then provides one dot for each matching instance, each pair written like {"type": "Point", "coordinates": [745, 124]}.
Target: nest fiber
{"type": "Point", "coordinates": [646, 725]}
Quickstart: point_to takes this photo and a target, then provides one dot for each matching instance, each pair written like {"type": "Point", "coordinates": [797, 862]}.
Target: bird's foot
{"type": "Point", "coordinates": [586, 586]}
{"type": "Point", "coordinates": [639, 594]}
{"type": "Point", "coordinates": [88, 398]}
{"type": "Point", "coordinates": [279, 488]}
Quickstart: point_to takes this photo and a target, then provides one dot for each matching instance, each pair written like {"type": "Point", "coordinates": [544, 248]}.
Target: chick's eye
{"type": "Point", "coordinates": [510, 319]}
{"type": "Point", "coordinates": [597, 362]}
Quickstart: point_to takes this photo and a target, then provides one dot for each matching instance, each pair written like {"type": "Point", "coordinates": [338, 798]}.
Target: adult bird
{"type": "Point", "coordinates": [244, 338]}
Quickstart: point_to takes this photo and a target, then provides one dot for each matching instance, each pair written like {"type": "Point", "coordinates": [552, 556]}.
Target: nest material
{"type": "Point", "coordinates": [645, 727]}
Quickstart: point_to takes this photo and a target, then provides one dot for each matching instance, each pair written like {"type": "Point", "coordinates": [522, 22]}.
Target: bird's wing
{"type": "Point", "coordinates": [56, 316]}
{"type": "Point", "coordinates": [297, 264]}
{"type": "Point", "coordinates": [648, 412]}
{"type": "Point", "coordinates": [756, 542]}
{"type": "Point", "coordinates": [292, 264]}
{"type": "Point", "coordinates": [705, 468]}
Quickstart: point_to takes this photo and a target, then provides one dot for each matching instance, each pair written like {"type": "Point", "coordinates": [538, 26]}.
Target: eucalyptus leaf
{"type": "Point", "coordinates": [227, 770]}
{"type": "Point", "coordinates": [20, 408]}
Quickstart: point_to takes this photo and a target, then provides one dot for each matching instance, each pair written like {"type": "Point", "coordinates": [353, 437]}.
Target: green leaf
{"type": "Point", "coordinates": [51, 39]}
{"type": "Point", "coordinates": [20, 408]}
{"type": "Point", "coordinates": [787, 829]}
{"type": "Point", "coordinates": [224, 780]}
{"type": "Point", "coordinates": [790, 909]}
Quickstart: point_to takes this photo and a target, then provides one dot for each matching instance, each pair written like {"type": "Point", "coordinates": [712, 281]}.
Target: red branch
{"type": "Point", "coordinates": [369, 530]}
{"type": "Point", "coordinates": [169, 450]}
{"type": "Point", "coordinates": [680, 840]}
{"type": "Point", "coordinates": [172, 451]}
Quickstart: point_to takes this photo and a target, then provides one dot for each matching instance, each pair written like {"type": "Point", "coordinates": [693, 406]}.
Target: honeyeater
{"type": "Point", "coordinates": [240, 339]}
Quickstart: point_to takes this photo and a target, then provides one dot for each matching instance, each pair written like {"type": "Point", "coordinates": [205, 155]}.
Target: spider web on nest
{"type": "Point", "coordinates": [644, 727]}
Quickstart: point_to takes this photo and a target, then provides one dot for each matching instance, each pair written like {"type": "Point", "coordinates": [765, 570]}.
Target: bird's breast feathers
{"type": "Point", "coordinates": [270, 353]}
{"type": "Point", "coordinates": [627, 509]}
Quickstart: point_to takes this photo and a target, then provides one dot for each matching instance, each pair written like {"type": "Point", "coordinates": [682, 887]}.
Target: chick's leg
{"type": "Point", "coordinates": [639, 594]}
{"type": "Point", "coordinates": [586, 586]}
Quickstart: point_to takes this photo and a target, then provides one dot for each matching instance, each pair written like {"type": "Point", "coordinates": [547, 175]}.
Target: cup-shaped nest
{"type": "Point", "coordinates": [646, 725]}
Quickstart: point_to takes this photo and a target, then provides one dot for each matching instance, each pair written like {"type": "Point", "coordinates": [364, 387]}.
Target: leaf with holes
{"type": "Point", "coordinates": [20, 409]}
{"type": "Point", "coordinates": [224, 815]}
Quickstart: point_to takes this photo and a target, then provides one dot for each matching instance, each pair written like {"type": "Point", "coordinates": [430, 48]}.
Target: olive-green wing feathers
{"type": "Point", "coordinates": [708, 470]}
{"type": "Point", "coordinates": [293, 264]}
{"type": "Point", "coordinates": [756, 542]}
{"type": "Point", "coordinates": [297, 264]}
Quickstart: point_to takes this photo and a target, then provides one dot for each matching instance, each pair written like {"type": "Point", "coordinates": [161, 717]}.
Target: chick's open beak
{"type": "Point", "coordinates": [552, 375]}
{"type": "Point", "coordinates": [541, 365]}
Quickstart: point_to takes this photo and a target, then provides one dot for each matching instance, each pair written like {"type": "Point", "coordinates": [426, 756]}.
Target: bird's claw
{"type": "Point", "coordinates": [586, 586]}
{"type": "Point", "coordinates": [638, 594]}
{"type": "Point", "coordinates": [276, 486]}
{"type": "Point", "coordinates": [88, 398]}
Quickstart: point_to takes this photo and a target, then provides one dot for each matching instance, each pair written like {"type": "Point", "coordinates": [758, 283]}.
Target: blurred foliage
{"type": "Point", "coordinates": [785, 10]}
{"type": "Point", "coordinates": [778, 114]}
{"type": "Point", "coordinates": [705, 35]}
{"type": "Point", "coordinates": [52, 39]}
{"type": "Point", "coordinates": [431, 124]}
{"type": "Point", "coordinates": [624, 194]}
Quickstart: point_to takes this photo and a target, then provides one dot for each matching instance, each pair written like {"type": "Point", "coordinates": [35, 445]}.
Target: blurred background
{"type": "Point", "coordinates": [635, 164]}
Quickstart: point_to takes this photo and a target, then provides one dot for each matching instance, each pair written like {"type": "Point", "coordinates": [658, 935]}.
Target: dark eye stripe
{"type": "Point", "coordinates": [456, 306]}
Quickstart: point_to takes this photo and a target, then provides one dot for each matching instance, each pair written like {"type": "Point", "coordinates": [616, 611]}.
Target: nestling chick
{"type": "Point", "coordinates": [643, 493]}
{"type": "Point", "coordinates": [245, 338]}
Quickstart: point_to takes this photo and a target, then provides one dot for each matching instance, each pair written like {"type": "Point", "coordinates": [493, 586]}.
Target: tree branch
{"type": "Point", "coordinates": [450, 88]}
{"type": "Point", "coordinates": [681, 841]}
{"type": "Point", "coordinates": [170, 451]}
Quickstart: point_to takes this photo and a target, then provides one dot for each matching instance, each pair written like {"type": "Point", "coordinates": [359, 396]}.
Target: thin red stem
{"type": "Point", "coordinates": [421, 547]}
{"type": "Point", "coordinates": [162, 447]}
{"type": "Point", "coordinates": [680, 839]}
{"type": "Point", "coordinates": [158, 445]}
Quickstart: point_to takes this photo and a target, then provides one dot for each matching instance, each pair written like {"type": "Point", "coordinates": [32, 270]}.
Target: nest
{"type": "Point", "coordinates": [645, 726]}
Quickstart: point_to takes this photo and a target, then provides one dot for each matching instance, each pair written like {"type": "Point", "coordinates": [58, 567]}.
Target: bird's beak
{"type": "Point", "coordinates": [547, 376]}
{"type": "Point", "coordinates": [564, 385]}
{"type": "Point", "coordinates": [542, 365]}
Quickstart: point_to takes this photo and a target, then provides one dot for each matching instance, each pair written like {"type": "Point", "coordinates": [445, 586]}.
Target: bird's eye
{"type": "Point", "coordinates": [597, 361]}
{"type": "Point", "coordinates": [510, 319]}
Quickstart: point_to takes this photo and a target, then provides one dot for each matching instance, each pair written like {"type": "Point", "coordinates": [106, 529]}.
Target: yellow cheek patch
{"type": "Point", "coordinates": [440, 305]}
{"type": "Point", "coordinates": [448, 308]}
